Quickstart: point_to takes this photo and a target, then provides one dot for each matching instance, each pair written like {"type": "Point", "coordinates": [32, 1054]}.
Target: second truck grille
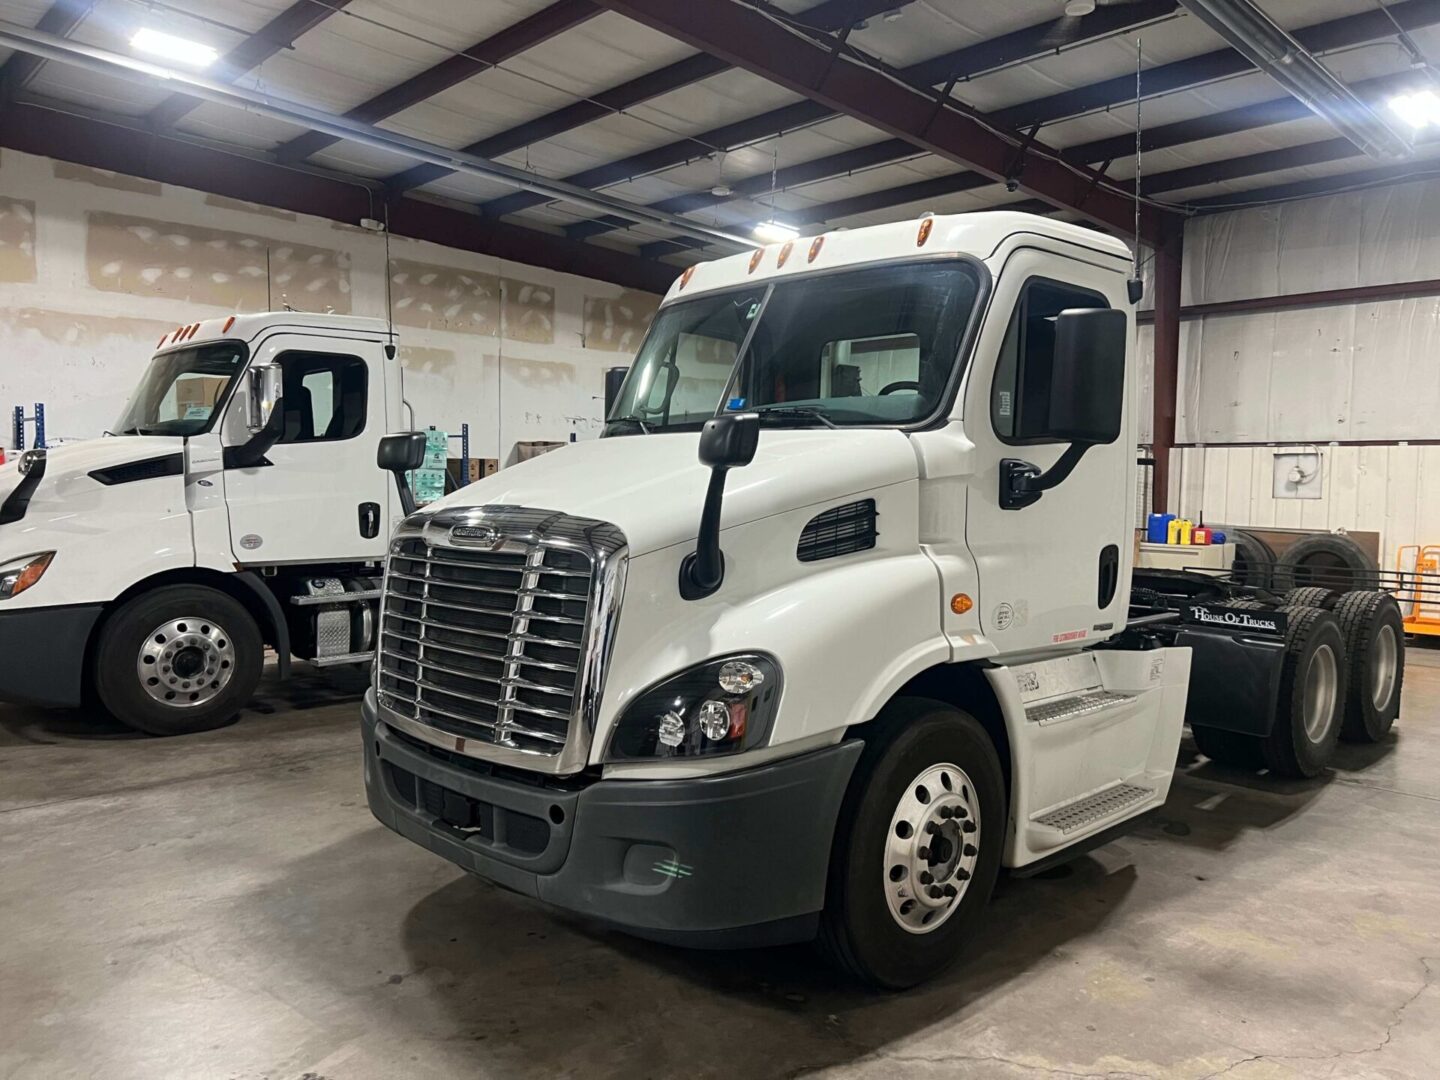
{"type": "Point", "coordinates": [486, 645]}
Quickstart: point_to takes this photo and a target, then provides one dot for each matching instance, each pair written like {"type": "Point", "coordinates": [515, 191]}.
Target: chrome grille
{"type": "Point", "coordinates": [495, 648]}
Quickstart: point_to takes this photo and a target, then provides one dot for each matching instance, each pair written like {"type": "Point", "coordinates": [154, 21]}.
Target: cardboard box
{"type": "Point", "coordinates": [524, 451]}
{"type": "Point", "coordinates": [479, 469]}
{"type": "Point", "coordinates": [196, 397]}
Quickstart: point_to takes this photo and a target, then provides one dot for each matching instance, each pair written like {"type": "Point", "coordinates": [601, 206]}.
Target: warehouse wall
{"type": "Point", "coordinates": [1347, 373]}
{"type": "Point", "coordinates": [95, 266]}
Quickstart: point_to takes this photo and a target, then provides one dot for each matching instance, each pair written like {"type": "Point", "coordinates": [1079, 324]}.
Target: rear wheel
{"type": "Point", "coordinates": [180, 659]}
{"type": "Point", "coordinates": [1374, 644]}
{"type": "Point", "coordinates": [917, 848]}
{"type": "Point", "coordinates": [1311, 699]}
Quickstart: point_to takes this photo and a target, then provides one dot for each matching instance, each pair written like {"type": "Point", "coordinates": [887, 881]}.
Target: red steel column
{"type": "Point", "coordinates": [1169, 254]}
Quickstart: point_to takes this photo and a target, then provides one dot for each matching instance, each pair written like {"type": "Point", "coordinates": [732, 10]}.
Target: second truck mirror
{"type": "Point", "coordinates": [402, 454]}
{"type": "Point", "coordinates": [264, 389]}
{"type": "Point", "coordinates": [726, 442]}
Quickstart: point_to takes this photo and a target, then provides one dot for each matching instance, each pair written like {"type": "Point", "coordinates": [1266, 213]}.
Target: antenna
{"type": "Point", "coordinates": [389, 277]}
{"type": "Point", "coordinates": [1136, 284]}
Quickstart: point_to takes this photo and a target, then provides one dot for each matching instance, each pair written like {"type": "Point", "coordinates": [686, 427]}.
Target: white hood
{"type": "Point", "coordinates": [68, 466]}
{"type": "Point", "coordinates": [653, 486]}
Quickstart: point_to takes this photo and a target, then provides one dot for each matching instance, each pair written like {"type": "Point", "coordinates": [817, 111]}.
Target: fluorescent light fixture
{"type": "Point", "coordinates": [174, 48]}
{"type": "Point", "coordinates": [775, 232]}
{"type": "Point", "coordinates": [1419, 110]}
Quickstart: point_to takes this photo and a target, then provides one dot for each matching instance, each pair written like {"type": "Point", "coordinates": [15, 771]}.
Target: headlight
{"type": "Point", "coordinates": [19, 575]}
{"type": "Point", "coordinates": [723, 706]}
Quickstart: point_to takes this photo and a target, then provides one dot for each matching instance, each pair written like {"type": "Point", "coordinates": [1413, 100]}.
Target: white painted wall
{"type": "Point", "coordinates": [85, 293]}
{"type": "Point", "coordinates": [1311, 377]}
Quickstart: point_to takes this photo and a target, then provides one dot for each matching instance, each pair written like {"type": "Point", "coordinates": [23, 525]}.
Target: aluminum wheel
{"type": "Point", "coordinates": [931, 849]}
{"type": "Point", "coordinates": [1383, 667]}
{"type": "Point", "coordinates": [186, 662]}
{"type": "Point", "coordinates": [1321, 683]}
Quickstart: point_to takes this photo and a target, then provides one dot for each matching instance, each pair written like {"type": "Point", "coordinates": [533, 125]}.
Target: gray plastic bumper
{"type": "Point", "coordinates": [42, 654]}
{"type": "Point", "coordinates": [723, 861]}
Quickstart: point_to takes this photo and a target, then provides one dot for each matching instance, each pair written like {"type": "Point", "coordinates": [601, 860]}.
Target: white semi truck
{"type": "Point", "coordinates": [237, 502]}
{"type": "Point", "coordinates": [834, 622]}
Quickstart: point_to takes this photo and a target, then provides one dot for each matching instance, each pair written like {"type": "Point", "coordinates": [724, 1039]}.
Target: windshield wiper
{"type": "Point", "coordinates": [644, 427]}
{"type": "Point", "coordinates": [796, 412]}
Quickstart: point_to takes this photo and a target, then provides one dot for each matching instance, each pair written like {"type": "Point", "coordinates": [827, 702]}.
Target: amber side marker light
{"type": "Point", "coordinates": [960, 603]}
{"type": "Point", "coordinates": [815, 246]}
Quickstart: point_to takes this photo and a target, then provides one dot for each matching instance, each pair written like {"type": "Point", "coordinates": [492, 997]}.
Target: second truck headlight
{"type": "Point", "coordinates": [20, 574]}
{"type": "Point", "coordinates": [723, 706]}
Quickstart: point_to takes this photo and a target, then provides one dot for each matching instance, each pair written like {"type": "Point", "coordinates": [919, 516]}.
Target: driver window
{"type": "Point", "coordinates": [323, 396]}
{"type": "Point", "coordinates": [867, 367]}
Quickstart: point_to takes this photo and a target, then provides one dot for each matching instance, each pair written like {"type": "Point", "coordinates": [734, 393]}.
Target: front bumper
{"type": "Point", "coordinates": [42, 653]}
{"type": "Point", "coordinates": [724, 861]}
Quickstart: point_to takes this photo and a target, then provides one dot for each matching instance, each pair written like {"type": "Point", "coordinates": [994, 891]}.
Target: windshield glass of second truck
{"type": "Point", "coordinates": [869, 346]}
{"type": "Point", "coordinates": [182, 390]}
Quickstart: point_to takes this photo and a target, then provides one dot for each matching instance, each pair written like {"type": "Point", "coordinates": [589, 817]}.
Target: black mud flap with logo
{"type": "Point", "coordinates": [1234, 666]}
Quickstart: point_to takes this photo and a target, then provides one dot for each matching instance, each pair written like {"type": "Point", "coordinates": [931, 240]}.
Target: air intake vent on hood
{"type": "Point", "coordinates": [148, 469]}
{"type": "Point", "coordinates": [840, 531]}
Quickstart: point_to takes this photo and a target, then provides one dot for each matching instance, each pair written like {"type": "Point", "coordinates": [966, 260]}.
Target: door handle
{"type": "Point", "coordinates": [369, 520]}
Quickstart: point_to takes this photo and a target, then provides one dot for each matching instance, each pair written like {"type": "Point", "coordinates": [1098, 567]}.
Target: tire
{"type": "Point", "coordinates": [1228, 747]}
{"type": "Point", "coordinates": [914, 743]}
{"type": "Point", "coordinates": [1249, 605]}
{"type": "Point", "coordinates": [1254, 560]}
{"type": "Point", "coordinates": [173, 631]}
{"type": "Point", "coordinates": [1311, 701]}
{"type": "Point", "coordinates": [1323, 559]}
{"type": "Point", "coordinates": [1374, 636]}
{"type": "Point", "coordinates": [1312, 596]}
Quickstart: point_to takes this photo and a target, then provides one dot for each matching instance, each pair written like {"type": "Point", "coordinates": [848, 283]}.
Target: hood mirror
{"type": "Point", "coordinates": [401, 455]}
{"type": "Point", "coordinates": [726, 442]}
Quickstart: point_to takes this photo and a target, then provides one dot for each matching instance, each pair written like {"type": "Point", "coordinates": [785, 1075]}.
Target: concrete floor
{"type": "Point", "coordinates": [224, 906]}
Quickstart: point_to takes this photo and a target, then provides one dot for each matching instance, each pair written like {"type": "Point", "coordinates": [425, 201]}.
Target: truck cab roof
{"type": "Point", "coordinates": [978, 235]}
{"type": "Point", "coordinates": [249, 327]}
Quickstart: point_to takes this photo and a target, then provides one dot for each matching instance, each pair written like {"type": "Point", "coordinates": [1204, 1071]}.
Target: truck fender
{"type": "Point", "coordinates": [252, 584]}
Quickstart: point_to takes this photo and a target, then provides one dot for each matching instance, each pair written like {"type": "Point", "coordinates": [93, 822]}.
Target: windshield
{"type": "Point", "coordinates": [181, 390]}
{"type": "Point", "coordinates": [871, 346]}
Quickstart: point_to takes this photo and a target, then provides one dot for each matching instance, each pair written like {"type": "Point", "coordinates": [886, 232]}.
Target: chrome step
{"type": "Point", "coordinates": [1092, 808]}
{"type": "Point", "coordinates": [1068, 708]}
{"type": "Point", "coordinates": [344, 658]}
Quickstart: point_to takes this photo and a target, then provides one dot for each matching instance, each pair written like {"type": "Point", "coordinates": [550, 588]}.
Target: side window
{"type": "Point", "coordinates": [323, 396]}
{"type": "Point", "coordinates": [1020, 394]}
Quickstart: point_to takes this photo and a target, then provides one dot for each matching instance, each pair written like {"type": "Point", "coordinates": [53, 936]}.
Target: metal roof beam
{"type": "Point", "coordinates": [453, 70]}
{"type": "Point", "coordinates": [962, 64]}
{"type": "Point", "coordinates": [170, 159]}
{"type": "Point", "coordinates": [830, 15]}
{"type": "Point", "coordinates": [60, 19]}
{"type": "Point", "coordinates": [749, 39]}
{"type": "Point", "coordinates": [275, 36]}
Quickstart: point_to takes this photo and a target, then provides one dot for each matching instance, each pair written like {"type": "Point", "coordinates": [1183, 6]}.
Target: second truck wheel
{"type": "Point", "coordinates": [1312, 694]}
{"type": "Point", "coordinates": [179, 659]}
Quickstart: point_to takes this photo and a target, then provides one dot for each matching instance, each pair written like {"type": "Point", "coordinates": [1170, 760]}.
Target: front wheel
{"type": "Point", "coordinates": [179, 659]}
{"type": "Point", "coordinates": [918, 845]}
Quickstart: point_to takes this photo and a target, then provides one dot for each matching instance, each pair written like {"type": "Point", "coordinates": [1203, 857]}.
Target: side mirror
{"type": "Point", "coordinates": [263, 389]}
{"type": "Point", "coordinates": [402, 454]}
{"type": "Point", "coordinates": [1087, 400]}
{"type": "Point", "coordinates": [614, 380]}
{"type": "Point", "coordinates": [726, 442]}
{"type": "Point", "coordinates": [1087, 394]}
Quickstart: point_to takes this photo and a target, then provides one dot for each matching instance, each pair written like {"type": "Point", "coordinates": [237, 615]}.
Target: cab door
{"type": "Point", "coordinates": [321, 498]}
{"type": "Point", "coordinates": [1050, 573]}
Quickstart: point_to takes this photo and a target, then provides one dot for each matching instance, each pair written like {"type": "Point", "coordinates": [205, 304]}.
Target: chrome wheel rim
{"type": "Point", "coordinates": [186, 662]}
{"type": "Point", "coordinates": [931, 848]}
{"type": "Point", "coordinates": [1384, 665]}
{"type": "Point", "coordinates": [1321, 681]}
